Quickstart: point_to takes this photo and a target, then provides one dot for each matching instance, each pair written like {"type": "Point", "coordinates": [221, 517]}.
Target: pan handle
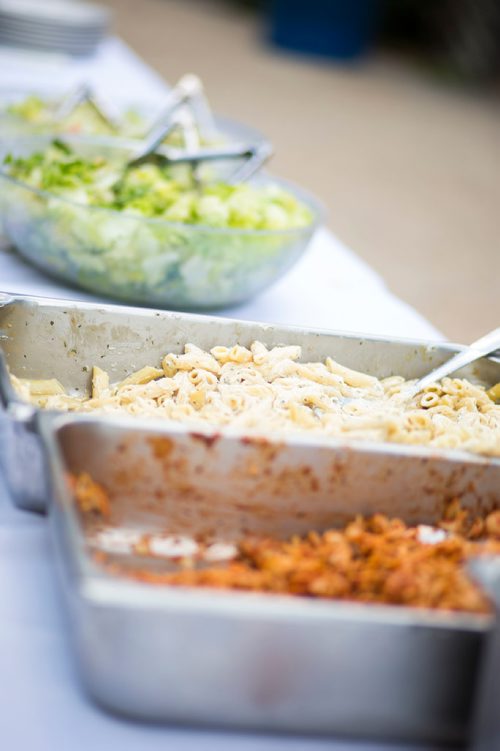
{"type": "Point", "coordinates": [7, 393]}
{"type": "Point", "coordinates": [9, 399]}
{"type": "Point", "coordinates": [20, 447]}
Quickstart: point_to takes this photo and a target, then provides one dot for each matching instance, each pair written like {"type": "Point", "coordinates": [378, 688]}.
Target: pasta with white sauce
{"type": "Point", "coordinates": [264, 391]}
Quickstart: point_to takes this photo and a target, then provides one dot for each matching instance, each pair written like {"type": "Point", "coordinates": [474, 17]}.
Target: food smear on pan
{"type": "Point", "coordinates": [374, 559]}
{"type": "Point", "coordinates": [270, 391]}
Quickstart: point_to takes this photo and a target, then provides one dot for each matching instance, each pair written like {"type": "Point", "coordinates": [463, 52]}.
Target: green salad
{"type": "Point", "coordinates": [164, 192]}
{"type": "Point", "coordinates": [150, 234]}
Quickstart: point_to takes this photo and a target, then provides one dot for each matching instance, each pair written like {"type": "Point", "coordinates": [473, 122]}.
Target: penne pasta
{"type": "Point", "coordinates": [47, 387]}
{"type": "Point", "coordinates": [263, 391]}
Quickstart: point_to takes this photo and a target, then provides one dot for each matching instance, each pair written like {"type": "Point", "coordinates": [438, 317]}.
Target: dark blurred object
{"type": "Point", "coordinates": [342, 29]}
{"type": "Point", "coordinates": [471, 36]}
{"type": "Point", "coordinates": [459, 38]}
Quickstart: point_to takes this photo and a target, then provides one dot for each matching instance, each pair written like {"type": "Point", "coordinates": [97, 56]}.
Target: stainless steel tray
{"type": "Point", "coordinates": [169, 654]}
{"type": "Point", "coordinates": [486, 734]}
{"type": "Point", "coordinates": [46, 338]}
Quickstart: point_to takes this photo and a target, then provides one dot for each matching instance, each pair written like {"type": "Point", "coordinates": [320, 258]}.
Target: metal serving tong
{"type": "Point", "coordinates": [151, 152]}
{"type": "Point", "coordinates": [254, 156]}
{"type": "Point", "coordinates": [486, 345]}
{"type": "Point", "coordinates": [188, 103]}
{"type": "Point", "coordinates": [187, 91]}
{"type": "Point", "coordinates": [186, 109]}
{"type": "Point", "coordinates": [83, 94]}
{"type": "Point", "coordinates": [193, 116]}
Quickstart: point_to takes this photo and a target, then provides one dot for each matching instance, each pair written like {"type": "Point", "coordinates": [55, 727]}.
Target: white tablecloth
{"type": "Point", "coordinates": [329, 288]}
{"type": "Point", "coordinates": [42, 703]}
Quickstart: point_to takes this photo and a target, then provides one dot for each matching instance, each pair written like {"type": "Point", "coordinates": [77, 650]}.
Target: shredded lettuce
{"type": "Point", "coordinates": [166, 192]}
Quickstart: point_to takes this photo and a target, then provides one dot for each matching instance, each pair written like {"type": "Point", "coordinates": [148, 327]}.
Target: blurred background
{"type": "Point", "coordinates": [389, 112]}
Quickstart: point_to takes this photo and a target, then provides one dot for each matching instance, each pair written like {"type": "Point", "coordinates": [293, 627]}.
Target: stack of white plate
{"type": "Point", "coordinates": [68, 26]}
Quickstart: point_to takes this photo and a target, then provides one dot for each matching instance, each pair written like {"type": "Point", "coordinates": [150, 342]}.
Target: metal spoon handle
{"type": "Point", "coordinates": [257, 158]}
{"type": "Point", "coordinates": [483, 346]}
{"type": "Point", "coordinates": [71, 100]}
{"type": "Point", "coordinates": [183, 91]}
{"type": "Point", "coordinates": [203, 115]}
{"type": "Point", "coordinates": [84, 94]}
{"type": "Point", "coordinates": [206, 154]}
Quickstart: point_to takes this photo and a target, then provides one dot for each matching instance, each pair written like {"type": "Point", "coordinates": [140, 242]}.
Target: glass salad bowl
{"type": "Point", "coordinates": [165, 262]}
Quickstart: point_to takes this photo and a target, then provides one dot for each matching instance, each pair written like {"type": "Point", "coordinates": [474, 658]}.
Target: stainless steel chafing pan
{"type": "Point", "coordinates": [44, 338]}
{"type": "Point", "coordinates": [486, 734]}
{"type": "Point", "coordinates": [171, 654]}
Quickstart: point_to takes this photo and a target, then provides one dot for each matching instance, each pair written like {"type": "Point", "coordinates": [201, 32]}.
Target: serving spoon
{"type": "Point", "coordinates": [486, 345]}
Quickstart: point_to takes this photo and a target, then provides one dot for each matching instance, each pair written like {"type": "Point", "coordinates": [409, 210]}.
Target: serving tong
{"type": "Point", "coordinates": [187, 110]}
{"type": "Point", "coordinates": [188, 89]}
{"type": "Point", "coordinates": [186, 105]}
{"type": "Point", "coordinates": [152, 152]}
{"type": "Point", "coordinates": [84, 94]}
{"type": "Point", "coordinates": [486, 345]}
{"type": "Point", "coordinates": [253, 155]}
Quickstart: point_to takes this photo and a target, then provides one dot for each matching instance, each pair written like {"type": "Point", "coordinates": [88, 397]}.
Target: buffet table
{"type": "Point", "coordinates": [43, 704]}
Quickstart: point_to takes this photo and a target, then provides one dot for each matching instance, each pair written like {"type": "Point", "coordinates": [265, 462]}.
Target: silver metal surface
{"type": "Point", "coordinates": [71, 100]}
{"type": "Point", "coordinates": [84, 94]}
{"type": "Point", "coordinates": [43, 338]}
{"type": "Point", "coordinates": [171, 654]}
{"type": "Point", "coordinates": [486, 345]}
{"type": "Point", "coordinates": [254, 156]}
{"type": "Point", "coordinates": [197, 119]}
{"type": "Point", "coordinates": [486, 734]}
{"type": "Point", "coordinates": [257, 156]}
{"type": "Point", "coordinates": [188, 87]}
